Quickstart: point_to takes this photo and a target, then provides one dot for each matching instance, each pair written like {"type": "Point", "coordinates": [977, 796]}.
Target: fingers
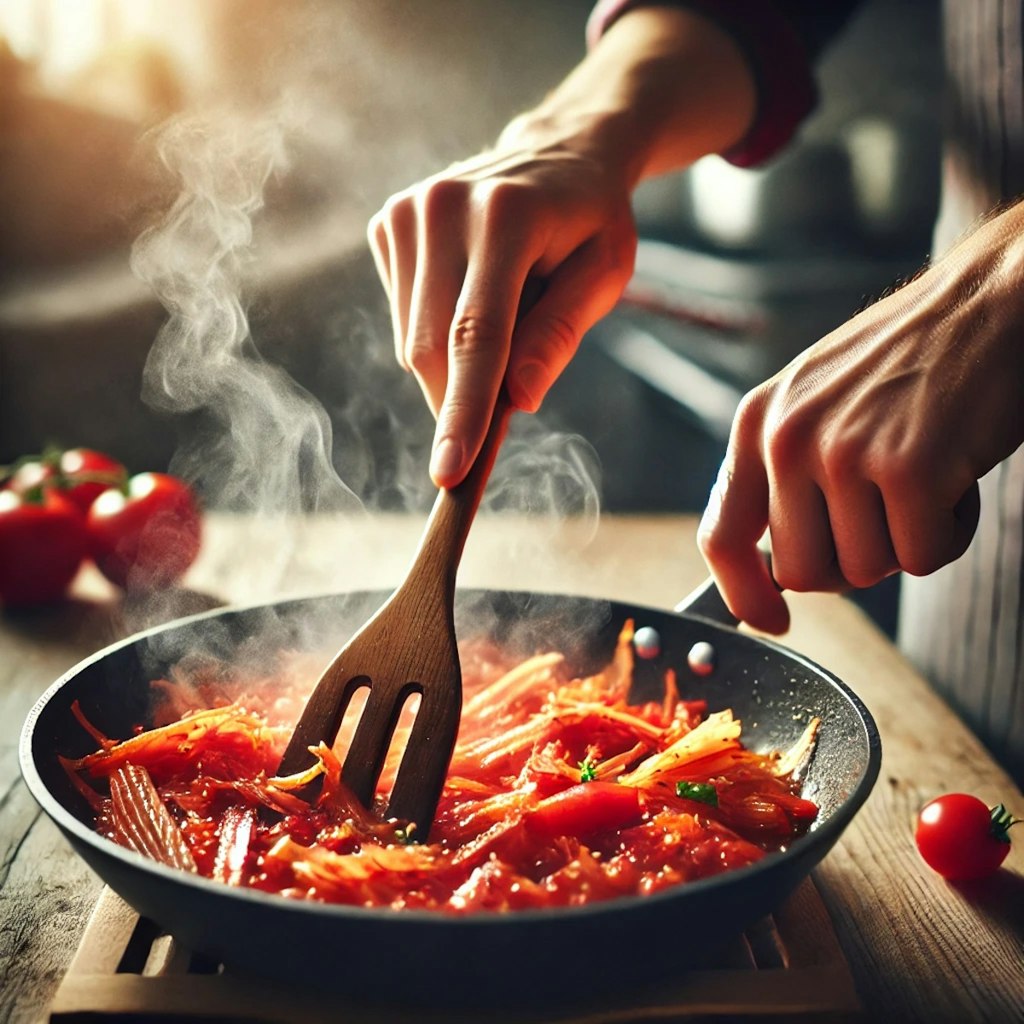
{"type": "Point", "coordinates": [438, 279]}
{"type": "Point", "coordinates": [417, 242]}
{"type": "Point", "coordinates": [397, 246]}
{"type": "Point", "coordinates": [380, 247]}
{"type": "Point", "coordinates": [377, 237]}
{"type": "Point", "coordinates": [833, 525]}
{"type": "Point", "coordinates": [860, 534]}
{"type": "Point", "coordinates": [732, 525]}
{"type": "Point", "coordinates": [441, 264]}
{"type": "Point", "coordinates": [827, 519]}
{"type": "Point", "coordinates": [803, 550]}
{"type": "Point", "coordinates": [486, 345]}
{"type": "Point", "coordinates": [929, 531]}
{"type": "Point", "coordinates": [478, 347]}
{"type": "Point", "coordinates": [585, 287]}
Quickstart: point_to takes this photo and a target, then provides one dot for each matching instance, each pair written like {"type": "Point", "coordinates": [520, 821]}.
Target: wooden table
{"type": "Point", "coordinates": [919, 948]}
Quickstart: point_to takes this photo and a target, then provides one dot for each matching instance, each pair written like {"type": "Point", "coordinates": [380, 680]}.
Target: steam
{"type": "Point", "coordinates": [542, 472]}
{"type": "Point", "coordinates": [254, 441]}
{"type": "Point", "coordinates": [257, 440]}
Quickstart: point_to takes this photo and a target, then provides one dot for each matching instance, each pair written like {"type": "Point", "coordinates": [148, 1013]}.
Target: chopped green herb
{"type": "Point", "coordinates": [704, 792]}
{"type": "Point", "coordinates": [588, 770]}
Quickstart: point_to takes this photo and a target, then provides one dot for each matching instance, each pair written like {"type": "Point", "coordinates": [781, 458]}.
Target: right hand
{"type": "Point", "coordinates": [454, 253]}
{"type": "Point", "coordinates": [862, 457]}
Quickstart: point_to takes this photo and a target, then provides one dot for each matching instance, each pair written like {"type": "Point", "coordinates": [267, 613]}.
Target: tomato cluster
{"type": "Point", "coordinates": [62, 508]}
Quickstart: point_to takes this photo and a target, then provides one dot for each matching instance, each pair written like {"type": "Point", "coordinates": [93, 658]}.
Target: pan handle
{"type": "Point", "coordinates": [706, 600]}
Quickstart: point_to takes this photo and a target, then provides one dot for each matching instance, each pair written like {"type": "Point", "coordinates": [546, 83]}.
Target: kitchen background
{"type": "Point", "coordinates": [291, 123]}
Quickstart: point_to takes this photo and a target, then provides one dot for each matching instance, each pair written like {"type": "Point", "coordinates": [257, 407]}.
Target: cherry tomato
{"type": "Point", "coordinates": [960, 837]}
{"type": "Point", "coordinates": [87, 474]}
{"type": "Point", "coordinates": [42, 544]}
{"type": "Point", "coordinates": [146, 534]}
{"type": "Point", "coordinates": [82, 474]}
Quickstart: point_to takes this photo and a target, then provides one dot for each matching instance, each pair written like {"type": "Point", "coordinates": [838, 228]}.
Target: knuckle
{"type": "Point", "coordinates": [501, 202]}
{"type": "Point", "coordinates": [923, 560]}
{"type": "Point", "coordinates": [930, 548]}
{"type": "Point", "coordinates": [712, 542]}
{"type": "Point", "coordinates": [907, 473]}
{"type": "Point", "coordinates": [472, 335]}
{"type": "Point", "coordinates": [896, 473]}
{"type": "Point", "coordinates": [789, 576]}
{"type": "Point", "coordinates": [862, 574]}
{"type": "Point", "coordinates": [458, 413]}
{"type": "Point", "coordinates": [398, 213]}
{"type": "Point", "coordinates": [421, 356]}
{"type": "Point", "coordinates": [786, 442]}
{"type": "Point", "coordinates": [438, 199]}
{"type": "Point", "coordinates": [842, 458]}
{"type": "Point", "coordinates": [928, 461]}
{"type": "Point", "coordinates": [709, 543]}
{"type": "Point", "coordinates": [748, 422]}
{"type": "Point", "coordinates": [377, 237]}
{"type": "Point", "coordinates": [802, 577]}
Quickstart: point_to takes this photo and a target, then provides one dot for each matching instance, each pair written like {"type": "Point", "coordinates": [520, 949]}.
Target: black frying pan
{"type": "Point", "coordinates": [428, 960]}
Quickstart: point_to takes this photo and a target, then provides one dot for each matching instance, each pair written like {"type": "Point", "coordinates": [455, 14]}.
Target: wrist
{"type": "Point", "coordinates": [604, 135]}
{"type": "Point", "coordinates": [989, 261]}
{"type": "Point", "coordinates": [662, 88]}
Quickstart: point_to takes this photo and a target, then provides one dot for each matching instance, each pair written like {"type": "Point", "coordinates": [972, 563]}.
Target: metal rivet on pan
{"type": "Point", "coordinates": [701, 658]}
{"type": "Point", "coordinates": [647, 642]}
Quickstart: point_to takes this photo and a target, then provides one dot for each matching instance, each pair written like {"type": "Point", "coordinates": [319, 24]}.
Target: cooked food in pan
{"type": "Point", "coordinates": [560, 791]}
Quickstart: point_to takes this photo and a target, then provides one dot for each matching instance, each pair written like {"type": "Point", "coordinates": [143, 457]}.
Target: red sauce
{"type": "Point", "coordinates": [560, 792]}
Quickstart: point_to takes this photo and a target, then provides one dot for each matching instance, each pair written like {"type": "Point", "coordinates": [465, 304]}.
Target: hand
{"type": "Point", "coordinates": [862, 456]}
{"type": "Point", "coordinates": [552, 201]}
{"type": "Point", "coordinates": [455, 253]}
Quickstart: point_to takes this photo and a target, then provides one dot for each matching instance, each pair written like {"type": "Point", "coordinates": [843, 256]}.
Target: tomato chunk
{"type": "Point", "coordinates": [800, 811]}
{"type": "Point", "coordinates": [586, 809]}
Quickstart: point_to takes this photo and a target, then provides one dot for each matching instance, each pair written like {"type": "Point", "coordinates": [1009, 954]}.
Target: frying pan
{"type": "Point", "coordinates": [428, 960]}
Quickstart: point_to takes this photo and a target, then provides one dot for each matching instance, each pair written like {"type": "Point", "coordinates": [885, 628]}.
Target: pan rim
{"type": "Point", "coordinates": [830, 829]}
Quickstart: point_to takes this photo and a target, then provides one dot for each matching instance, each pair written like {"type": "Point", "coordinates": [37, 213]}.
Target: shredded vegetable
{"type": "Point", "coordinates": [560, 792]}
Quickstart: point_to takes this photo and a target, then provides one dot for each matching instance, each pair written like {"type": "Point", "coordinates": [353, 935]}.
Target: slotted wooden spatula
{"type": "Point", "coordinates": [407, 647]}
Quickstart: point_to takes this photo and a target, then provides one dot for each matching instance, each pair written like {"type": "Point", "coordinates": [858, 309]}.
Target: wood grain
{"type": "Point", "coordinates": [919, 949]}
{"type": "Point", "coordinates": [806, 977]}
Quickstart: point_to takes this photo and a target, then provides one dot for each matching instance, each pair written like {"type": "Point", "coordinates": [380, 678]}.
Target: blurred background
{"type": "Point", "coordinates": [293, 120]}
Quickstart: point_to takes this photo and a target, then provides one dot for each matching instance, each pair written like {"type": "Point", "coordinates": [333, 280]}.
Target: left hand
{"type": "Point", "coordinates": [862, 456]}
{"type": "Point", "coordinates": [458, 254]}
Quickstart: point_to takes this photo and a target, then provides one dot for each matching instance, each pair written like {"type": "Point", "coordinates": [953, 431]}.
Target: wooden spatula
{"type": "Point", "coordinates": [407, 647]}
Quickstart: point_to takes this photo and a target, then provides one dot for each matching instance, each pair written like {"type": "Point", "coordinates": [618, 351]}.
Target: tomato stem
{"type": "Point", "coordinates": [51, 458]}
{"type": "Point", "coordinates": [9, 471]}
{"type": "Point", "coordinates": [1002, 822]}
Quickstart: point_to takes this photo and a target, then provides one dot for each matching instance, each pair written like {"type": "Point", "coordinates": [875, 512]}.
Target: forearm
{"type": "Point", "coordinates": [662, 88]}
{"type": "Point", "coordinates": [991, 252]}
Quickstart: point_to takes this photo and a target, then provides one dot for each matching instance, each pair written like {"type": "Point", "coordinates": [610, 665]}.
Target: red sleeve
{"type": "Point", "coordinates": [778, 57]}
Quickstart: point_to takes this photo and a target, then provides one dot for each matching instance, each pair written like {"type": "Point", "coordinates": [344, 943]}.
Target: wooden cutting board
{"type": "Point", "coordinates": [787, 967]}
